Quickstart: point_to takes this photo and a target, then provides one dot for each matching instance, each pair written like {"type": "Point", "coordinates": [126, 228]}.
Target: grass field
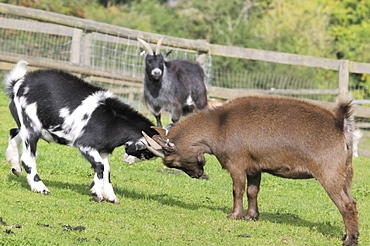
{"type": "Point", "coordinates": [161, 207]}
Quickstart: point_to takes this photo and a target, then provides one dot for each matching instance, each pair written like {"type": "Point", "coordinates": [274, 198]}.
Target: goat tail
{"type": "Point", "coordinates": [344, 112]}
{"type": "Point", "coordinates": [14, 76]}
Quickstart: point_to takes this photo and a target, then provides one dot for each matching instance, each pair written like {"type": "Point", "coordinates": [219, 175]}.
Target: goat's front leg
{"type": "Point", "coordinates": [28, 160]}
{"type": "Point", "coordinates": [238, 192]}
{"type": "Point", "coordinates": [156, 111]}
{"type": "Point", "coordinates": [253, 188]}
{"type": "Point", "coordinates": [101, 187]}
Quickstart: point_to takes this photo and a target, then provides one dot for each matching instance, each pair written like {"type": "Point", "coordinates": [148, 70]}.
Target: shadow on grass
{"type": "Point", "coordinates": [80, 188]}
{"type": "Point", "coordinates": [325, 228]}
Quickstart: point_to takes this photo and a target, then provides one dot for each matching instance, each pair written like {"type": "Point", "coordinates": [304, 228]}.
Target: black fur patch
{"type": "Point", "coordinates": [26, 168]}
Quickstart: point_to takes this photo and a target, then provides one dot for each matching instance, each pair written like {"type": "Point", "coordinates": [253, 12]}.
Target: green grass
{"type": "Point", "coordinates": [163, 208]}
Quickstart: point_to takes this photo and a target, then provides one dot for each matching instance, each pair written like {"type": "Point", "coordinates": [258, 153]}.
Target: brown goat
{"type": "Point", "coordinates": [286, 137]}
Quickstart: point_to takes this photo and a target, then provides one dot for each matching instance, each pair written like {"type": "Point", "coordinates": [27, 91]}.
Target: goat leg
{"type": "Point", "coordinates": [101, 188]}
{"type": "Point", "coordinates": [13, 151]}
{"type": "Point", "coordinates": [253, 188]}
{"type": "Point", "coordinates": [238, 192]}
{"type": "Point", "coordinates": [158, 119]}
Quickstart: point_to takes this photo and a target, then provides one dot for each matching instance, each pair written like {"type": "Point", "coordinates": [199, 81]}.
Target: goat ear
{"type": "Point", "coordinates": [162, 132]}
{"type": "Point", "coordinates": [166, 54]}
{"type": "Point", "coordinates": [201, 158]}
{"type": "Point", "coordinates": [143, 53]}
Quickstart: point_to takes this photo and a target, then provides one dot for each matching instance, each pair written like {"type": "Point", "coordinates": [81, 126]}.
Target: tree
{"type": "Point", "coordinates": [67, 7]}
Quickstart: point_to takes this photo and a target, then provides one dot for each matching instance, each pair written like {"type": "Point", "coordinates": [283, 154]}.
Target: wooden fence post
{"type": "Point", "coordinates": [343, 79]}
{"type": "Point", "coordinates": [76, 46]}
{"type": "Point", "coordinates": [86, 49]}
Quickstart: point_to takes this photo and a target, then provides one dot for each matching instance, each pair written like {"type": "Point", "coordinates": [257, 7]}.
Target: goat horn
{"type": "Point", "coordinates": [153, 146]}
{"type": "Point", "coordinates": [146, 46]}
{"type": "Point", "coordinates": [151, 141]}
{"type": "Point", "coordinates": [158, 47]}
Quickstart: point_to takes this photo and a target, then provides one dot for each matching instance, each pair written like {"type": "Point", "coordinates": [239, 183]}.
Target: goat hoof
{"type": "Point", "coordinates": [204, 176]}
{"type": "Point", "coordinates": [45, 192]}
{"type": "Point", "coordinates": [115, 201]}
{"type": "Point", "coordinates": [97, 199]}
{"type": "Point", "coordinates": [251, 216]}
{"type": "Point", "coordinates": [234, 216]}
{"type": "Point", "coordinates": [350, 241]}
{"type": "Point", "coordinates": [16, 172]}
{"type": "Point", "coordinates": [248, 217]}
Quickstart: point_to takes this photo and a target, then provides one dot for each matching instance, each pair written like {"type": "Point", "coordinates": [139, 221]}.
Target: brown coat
{"type": "Point", "coordinates": [285, 137]}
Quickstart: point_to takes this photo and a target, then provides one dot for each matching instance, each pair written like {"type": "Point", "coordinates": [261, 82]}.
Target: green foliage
{"type": "Point", "coordinates": [297, 27]}
{"type": "Point", "coordinates": [67, 7]}
{"type": "Point", "coordinates": [350, 30]}
{"type": "Point", "coordinates": [350, 27]}
{"type": "Point", "coordinates": [120, 15]}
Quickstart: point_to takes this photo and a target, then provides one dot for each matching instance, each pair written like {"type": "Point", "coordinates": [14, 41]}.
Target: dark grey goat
{"type": "Point", "coordinates": [175, 86]}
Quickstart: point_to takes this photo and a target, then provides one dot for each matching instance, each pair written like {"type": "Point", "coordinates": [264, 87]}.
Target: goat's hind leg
{"type": "Point", "coordinates": [12, 152]}
{"type": "Point", "coordinates": [342, 198]}
{"type": "Point", "coordinates": [253, 187]}
{"type": "Point", "coordinates": [158, 119]}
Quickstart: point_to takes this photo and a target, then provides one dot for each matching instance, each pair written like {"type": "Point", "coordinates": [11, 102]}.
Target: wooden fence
{"type": "Point", "coordinates": [82, 32]}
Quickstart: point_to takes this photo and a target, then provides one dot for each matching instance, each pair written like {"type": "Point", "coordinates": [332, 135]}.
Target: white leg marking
{"type": "Point", "coordinates": [102, 189]}
{"type": "Point", "coordinates": [108, 192]}
{"type": "Point", "coordinates": [29, 164]}
{"type": "Point", "coordinates": [12, 154]}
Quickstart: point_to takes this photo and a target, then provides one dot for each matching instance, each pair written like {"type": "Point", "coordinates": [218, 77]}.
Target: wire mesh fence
{"type": "Point", "coordinates": [27, 40]}
{"type": "Point", "coordinates": [121, 55]}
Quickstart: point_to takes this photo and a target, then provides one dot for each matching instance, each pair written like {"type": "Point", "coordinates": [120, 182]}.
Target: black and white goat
{"type": "Point", "coordinates": [175, 86]}
{"type": "Point", "coordinates": [60, 107]}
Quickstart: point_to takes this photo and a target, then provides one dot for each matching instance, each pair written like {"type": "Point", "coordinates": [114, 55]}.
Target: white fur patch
{"type": "Point", "coordinates": [189, 101]}
{"type": "Point", "coordinates": [102, 187]}
{"type": "Point", "coordinates": [156, 72]}
{"type": "Point", "coordinates": [130, 159]}
{"type": "Point", "coordinates": [75, 121]}
{"type": "Point", "coordinates": [31, 111]}
{"type": "Point", "coordinates": [13, 154]}
{"type": "Point", "coordinates": [26, 89]}
{"type": "Point", "coordinates": [17, 73]}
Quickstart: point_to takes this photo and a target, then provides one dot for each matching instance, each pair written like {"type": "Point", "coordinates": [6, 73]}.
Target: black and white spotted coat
{"type": "Point", "coordinates": [62, 108]}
